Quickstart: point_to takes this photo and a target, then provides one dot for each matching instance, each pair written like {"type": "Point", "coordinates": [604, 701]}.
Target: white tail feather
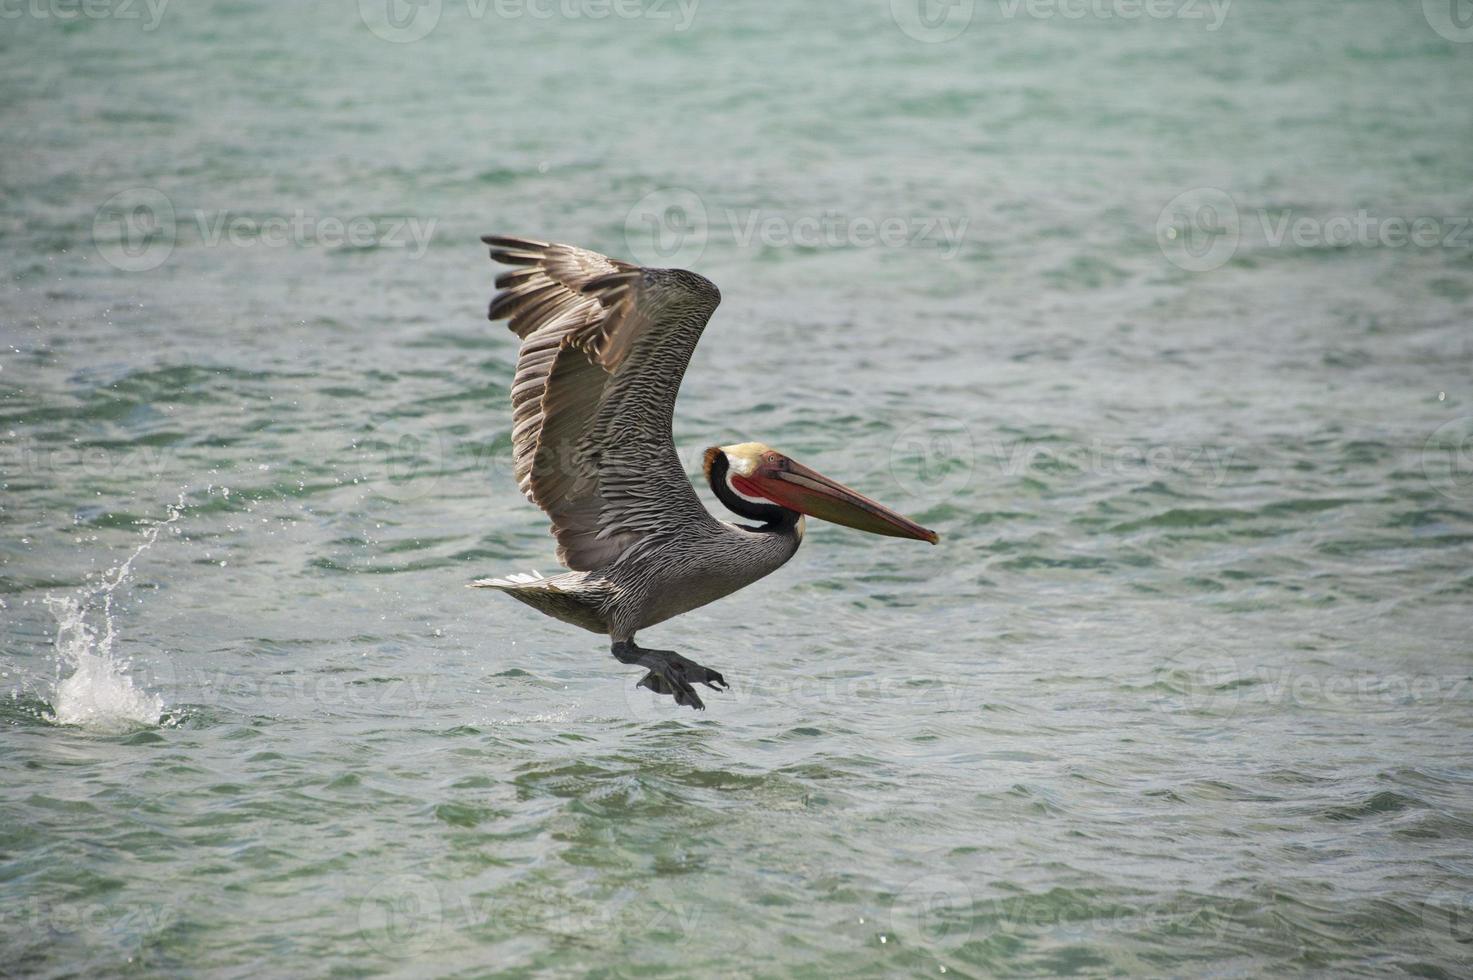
{"type": "Point", "coordinates": [512, 581]}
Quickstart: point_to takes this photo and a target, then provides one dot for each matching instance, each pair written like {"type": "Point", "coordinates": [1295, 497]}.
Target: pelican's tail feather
{"type": "Point", "coordinates": [573, 597]}
{"type": "Point", "coordinates": [516, 580]}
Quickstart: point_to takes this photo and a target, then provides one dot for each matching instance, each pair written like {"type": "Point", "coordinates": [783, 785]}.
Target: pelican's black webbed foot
{"type": "Point", "coordinates": [670, 673]}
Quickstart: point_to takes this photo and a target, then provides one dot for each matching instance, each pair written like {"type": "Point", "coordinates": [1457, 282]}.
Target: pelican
{"type": "Point", "coordinates": [604, 345]}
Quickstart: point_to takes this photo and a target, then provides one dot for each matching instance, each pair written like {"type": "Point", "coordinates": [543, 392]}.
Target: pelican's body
{"type": "Point", "coordinates": [659, 579]}
{"type": "Point", "coordinates": [604, 345]}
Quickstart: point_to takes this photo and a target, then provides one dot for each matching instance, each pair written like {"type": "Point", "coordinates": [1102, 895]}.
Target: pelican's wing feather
{"type": "Point", "coordinates": [604, 347]}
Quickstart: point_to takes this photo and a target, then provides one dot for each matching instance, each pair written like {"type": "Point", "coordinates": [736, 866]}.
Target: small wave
{"type": "Point", "coordinates": [1186, 517]}
{"type": "Point", "coordinates": [1382, 802]}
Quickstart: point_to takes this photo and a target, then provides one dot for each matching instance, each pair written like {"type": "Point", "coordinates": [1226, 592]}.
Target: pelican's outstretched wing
{"type": "Point", "coordinates": [604, 347]}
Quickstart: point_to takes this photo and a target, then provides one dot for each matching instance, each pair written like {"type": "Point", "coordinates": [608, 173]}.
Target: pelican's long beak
{"type": "Point", "coordinates": [799, 488]}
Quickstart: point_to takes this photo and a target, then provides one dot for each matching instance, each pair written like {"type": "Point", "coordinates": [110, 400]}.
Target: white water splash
{"type": "Point", "coordinates": [98, 694]}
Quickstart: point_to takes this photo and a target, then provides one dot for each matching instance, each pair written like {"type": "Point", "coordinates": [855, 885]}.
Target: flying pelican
{"type": "Point", "coordinates": [604, 345]}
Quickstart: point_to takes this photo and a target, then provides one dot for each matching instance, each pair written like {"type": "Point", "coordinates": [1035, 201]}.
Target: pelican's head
{"type": "Point", "coordinates": [761, 483]}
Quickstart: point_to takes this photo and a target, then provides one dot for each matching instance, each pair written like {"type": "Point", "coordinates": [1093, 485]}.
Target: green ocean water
{"type": "Point", "coordinates": [1159, 313]}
